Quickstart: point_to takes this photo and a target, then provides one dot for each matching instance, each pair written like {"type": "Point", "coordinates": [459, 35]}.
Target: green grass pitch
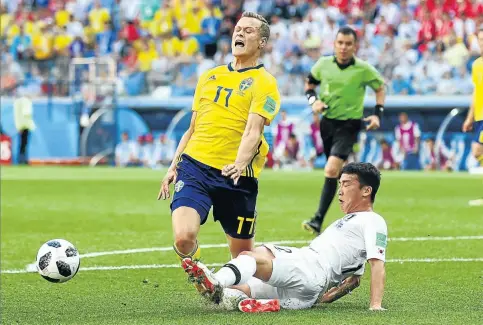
{"type": "Point", "coordinates": [106, 209]}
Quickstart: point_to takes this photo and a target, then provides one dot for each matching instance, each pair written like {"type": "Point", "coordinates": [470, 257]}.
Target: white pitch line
{"type": "Point", "coordinates": [281, 242]}
{"type": "Point", "coordinates": [172, 266]}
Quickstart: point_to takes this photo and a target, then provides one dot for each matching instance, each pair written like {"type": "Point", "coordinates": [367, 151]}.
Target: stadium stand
{"type": "Point", "coordinates": [162, 46]}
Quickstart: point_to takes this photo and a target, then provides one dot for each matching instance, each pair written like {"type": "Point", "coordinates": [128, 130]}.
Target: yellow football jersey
{"type": "Point", "coordinates": [477, 76]}
{"type": "Point", "coordinates": [223, 100]}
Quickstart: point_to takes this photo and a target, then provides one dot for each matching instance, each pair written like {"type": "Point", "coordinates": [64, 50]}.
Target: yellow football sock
{"type": "Point", "coordinates": [194, 255]}
{"type": "Point", "coordinates": [480, 160]}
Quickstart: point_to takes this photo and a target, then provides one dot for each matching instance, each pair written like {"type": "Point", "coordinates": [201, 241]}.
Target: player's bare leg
{"type": "Point", "coordinates": [477, 152]}
{"type": "Point", "coordinates": [332, 171]}
{"type": "Point", "coordinates": [186, 225]}
{"type": "Point", "coordinates": [238, 245]}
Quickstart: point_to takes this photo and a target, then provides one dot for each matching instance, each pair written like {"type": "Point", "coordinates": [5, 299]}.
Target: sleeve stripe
{"type": "Point", "coordinates": [250, 167]}
{"type": "Point", "coordinates": [354, 269]}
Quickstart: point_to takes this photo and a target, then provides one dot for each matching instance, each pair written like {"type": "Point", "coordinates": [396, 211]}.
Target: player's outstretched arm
{"type": "Point", "coordinates": [248, 146]}
{"type": "Point", "coordinates": [170, 176]}
{"type": "Point", "coordinates": [347, 286]}
{"type": "Point", "coordinates": [378, 277]}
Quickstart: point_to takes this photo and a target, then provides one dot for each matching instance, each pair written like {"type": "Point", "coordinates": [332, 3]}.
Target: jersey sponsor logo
{"type": "Point", "coordinates": [270, 105]}
{"type": "Point", "coordinates": [212, 78]}
{"type": "Point", "coordinates": [179, 186]}
{"type": "Point", "coordinates": [381, 240]}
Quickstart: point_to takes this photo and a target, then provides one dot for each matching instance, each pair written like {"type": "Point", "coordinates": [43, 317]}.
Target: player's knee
{"type": "Point", "coordinates": [333, 167]}
{"type": "Point", "coordinates": [185, 241]}
{"type": "Point", "coordinates": [331, 172]}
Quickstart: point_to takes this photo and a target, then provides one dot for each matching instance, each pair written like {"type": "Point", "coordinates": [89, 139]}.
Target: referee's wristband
{"type": "Point", "coordinates": [378, 110]}
{"type": "Point", "coordinates": [311, 96]}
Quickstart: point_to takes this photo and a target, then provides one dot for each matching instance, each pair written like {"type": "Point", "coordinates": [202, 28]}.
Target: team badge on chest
{"type": "Point", "coordinates": [244, 85]}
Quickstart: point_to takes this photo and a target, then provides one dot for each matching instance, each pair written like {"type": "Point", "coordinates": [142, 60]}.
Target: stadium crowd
{"type": "Point", "coordinates": [162, 46]}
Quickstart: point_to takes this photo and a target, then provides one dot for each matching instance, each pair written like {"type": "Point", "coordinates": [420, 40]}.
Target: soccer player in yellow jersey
{"type": "Point", "coordinates": [221, 155]}
{"type": "Point", "coordinates": [474, 120]}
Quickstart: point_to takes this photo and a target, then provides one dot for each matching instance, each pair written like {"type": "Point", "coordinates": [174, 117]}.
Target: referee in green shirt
{"type": "Point", "coordinates": [343, 79]}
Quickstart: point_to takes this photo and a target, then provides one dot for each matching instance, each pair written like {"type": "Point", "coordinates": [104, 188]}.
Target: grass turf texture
{"type": "Point", "coordinates": [106, 209]}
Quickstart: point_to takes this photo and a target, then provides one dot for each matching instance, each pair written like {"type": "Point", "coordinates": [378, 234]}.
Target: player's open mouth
{"type": "Point", "coordinates": [239, 44]}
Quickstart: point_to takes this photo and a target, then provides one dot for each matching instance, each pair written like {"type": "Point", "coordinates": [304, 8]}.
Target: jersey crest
{"type": "Point", "coordinates": [245, 84]}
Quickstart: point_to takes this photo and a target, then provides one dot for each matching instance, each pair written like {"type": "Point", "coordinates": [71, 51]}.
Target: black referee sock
{"type": "Point", "coordinates": [328, 193]}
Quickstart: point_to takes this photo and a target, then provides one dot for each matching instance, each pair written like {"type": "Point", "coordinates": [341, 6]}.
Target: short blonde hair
{"type": "Point", "coordinates": [264, 28]}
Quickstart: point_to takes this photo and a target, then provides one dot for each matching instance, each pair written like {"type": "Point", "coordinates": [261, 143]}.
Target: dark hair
{"type": "Point", "coordinates": [367, 174]}
{"type": "Point", "coordinates": [346, 30]}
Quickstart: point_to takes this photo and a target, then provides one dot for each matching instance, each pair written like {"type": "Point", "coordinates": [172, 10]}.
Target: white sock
{"type": "Point", "coordinates": [238, 271]}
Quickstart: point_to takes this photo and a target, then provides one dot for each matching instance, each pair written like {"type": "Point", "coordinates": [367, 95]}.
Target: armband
{"type": "Point", "coordinates": [311, 96]}
{"type": "Point", "coordinates": [311, 80]}
{"type": "Point", "coordinates": [378, 110]}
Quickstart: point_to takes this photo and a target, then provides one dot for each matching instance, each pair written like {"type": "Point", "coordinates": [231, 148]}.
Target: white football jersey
{"type": "Point", "coordinates": [346, 245]}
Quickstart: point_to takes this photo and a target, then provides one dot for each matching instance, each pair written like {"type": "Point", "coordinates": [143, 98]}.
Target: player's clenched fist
{"type": "Point", "coordinates": [318, 106]}
{"type": "Point", "coordinates": [374, 122]}
{"type": "Point", "coordinates": [169, 178]}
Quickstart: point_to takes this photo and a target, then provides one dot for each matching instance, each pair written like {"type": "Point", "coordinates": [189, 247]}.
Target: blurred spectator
{"type": "Point", "coordinates": [408, 135]}
{"type": "Point", "coordinates": [138, 151]}
{"type": "Point", "coordinates": [291, 157]}
{"type": "Point", "coordinates": [423, 83]}
{"type": "Point", "coordinates": [98, 17]}
{"type": "Point", "coordinates": [317, 149]}
{"type": "Point", "coordinates": [12, 75]}
{"type": "Point", "coordinates": [433, 159]}
{"type": "Point", "coordinates": [21, 48]}
{"type": "Point", "coordinates": [401, 85]}
{"type": "Point", "coordinates": [292, 150]}
{"type": "Point", "coordinates": [24, 123]}
{"type": "Point", "coordinates": [149, 158]}
{"type": "Point", "coordinates": [386, 158]}
{"type": "Point", "coordinates": [125, 152]}
{"type": "Point", "coordinates": [284, 129]}
{"type": "Point", "coordinates": [446, 85]}
{"type": "Point", "coordinates": [165, 150]}
{"type": "Point", "coordinates": [462, 82]}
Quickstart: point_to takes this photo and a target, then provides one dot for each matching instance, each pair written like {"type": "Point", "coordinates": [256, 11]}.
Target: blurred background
{"type": "Point", "coordinates": [111, 81]}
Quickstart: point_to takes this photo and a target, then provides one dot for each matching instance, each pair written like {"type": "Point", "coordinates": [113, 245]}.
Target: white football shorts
{"type": "Point", "coordinates": [297, 277]}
